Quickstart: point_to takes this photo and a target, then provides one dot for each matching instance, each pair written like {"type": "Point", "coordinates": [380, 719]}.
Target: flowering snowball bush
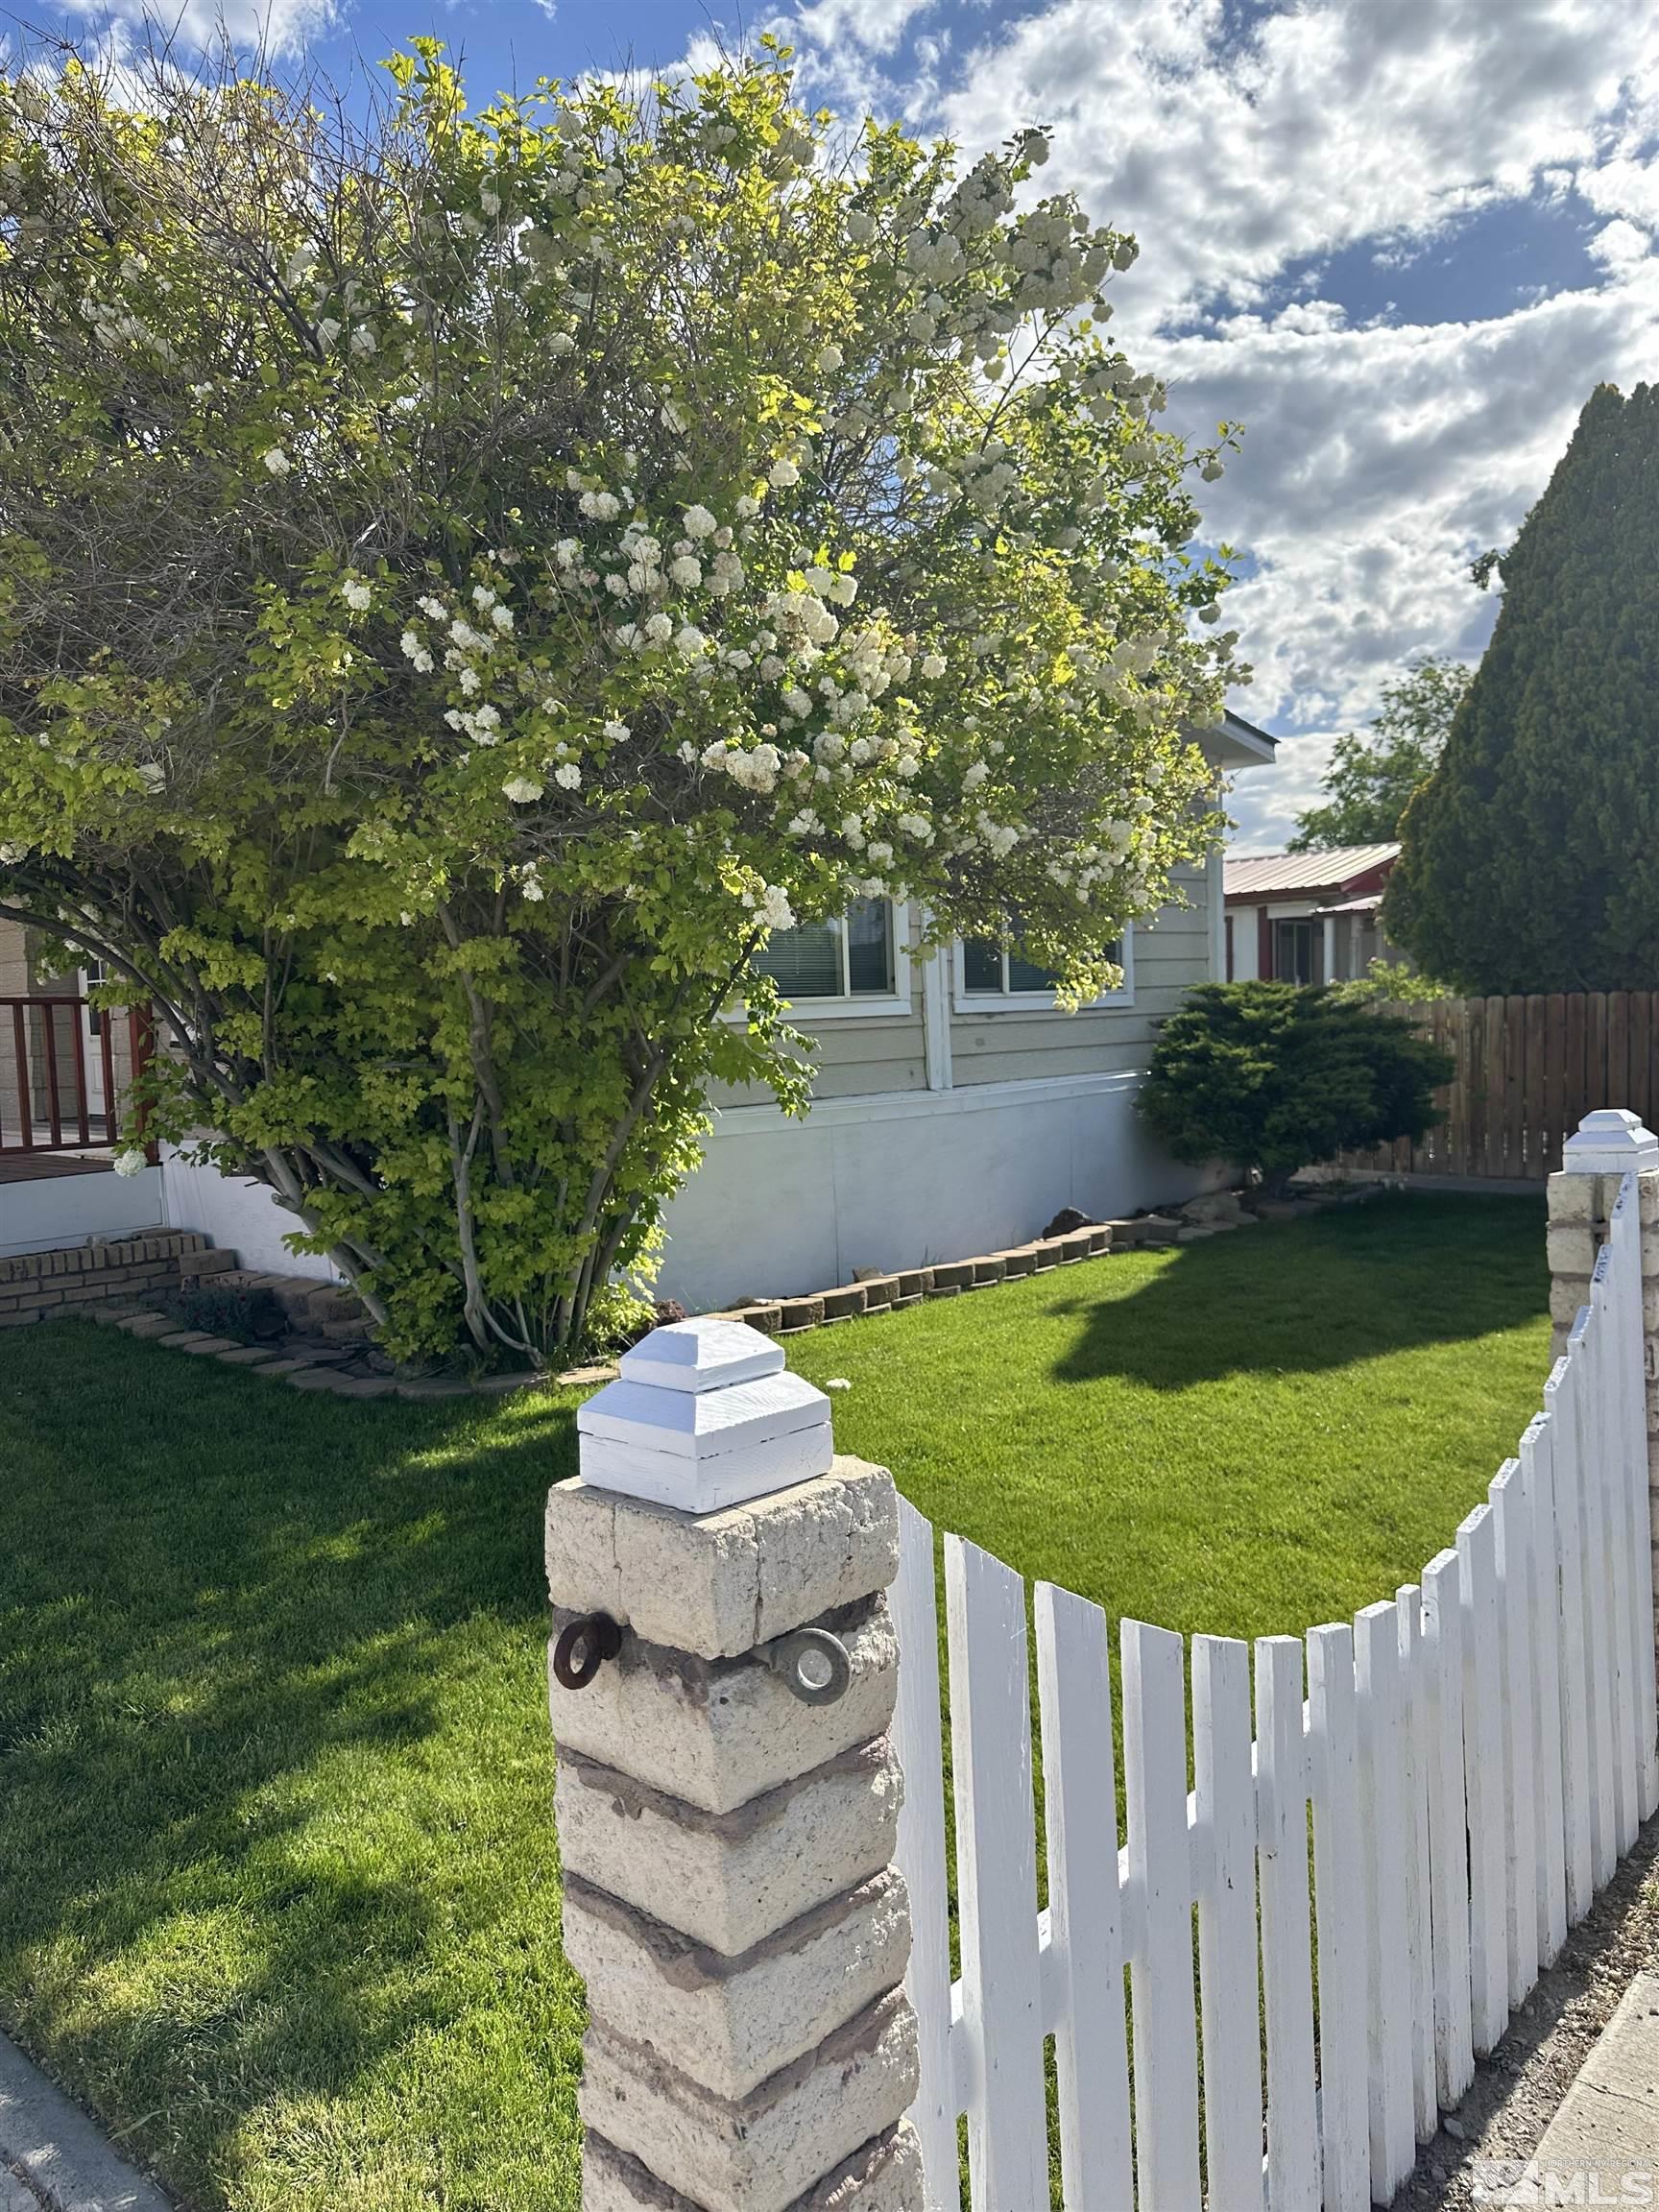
{"type": "Point", "coordinates": [467, 581]}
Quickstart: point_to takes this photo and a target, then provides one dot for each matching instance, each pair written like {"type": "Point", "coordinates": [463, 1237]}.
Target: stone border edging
{"type": "Point", "coordinates": [879, 1293]}
{"type": "Point", "coordinates": [873, 1294]}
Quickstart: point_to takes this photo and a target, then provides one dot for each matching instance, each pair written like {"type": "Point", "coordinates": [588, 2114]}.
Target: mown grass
{"type": "Point", "coordinates": [278, 1886]}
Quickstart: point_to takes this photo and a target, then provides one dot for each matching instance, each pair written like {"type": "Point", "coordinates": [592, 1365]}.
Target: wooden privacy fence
{"type": "Point", "coordinates": [1477, 1754]}
{"type": "Point", "coordinates": [1527, 1072]}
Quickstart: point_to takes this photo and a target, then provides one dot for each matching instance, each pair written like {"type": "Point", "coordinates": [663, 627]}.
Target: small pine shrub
{"type": "Point", "coordinates": [1274, 1077]}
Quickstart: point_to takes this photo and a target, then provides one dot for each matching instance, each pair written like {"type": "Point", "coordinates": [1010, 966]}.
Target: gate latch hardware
{"type": "Point", "coordinates": [583, 1648]}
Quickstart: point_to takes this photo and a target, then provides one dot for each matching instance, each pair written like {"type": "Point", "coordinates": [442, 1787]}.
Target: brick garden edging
{"type": "Point", "coordinates": [35, 1283]}
{"type": "Point", "coordinates": [109, 1279]}
{"type": "Point", "coordinates": [1200, 1217]}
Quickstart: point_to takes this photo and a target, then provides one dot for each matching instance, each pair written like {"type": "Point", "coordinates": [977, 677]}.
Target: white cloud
{"type": "Point", "coordinates": [279, 29]}
{"type": "Point", "coordinates": [1264, 803]}
{"type": "Point", "coordinates": [1378, 457]}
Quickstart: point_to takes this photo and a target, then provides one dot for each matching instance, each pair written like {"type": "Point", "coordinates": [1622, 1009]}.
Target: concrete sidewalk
{"type": "Point", "coordinates": [52, 2157]}
{"type": "Point", "coordinates": [1604, 2140]}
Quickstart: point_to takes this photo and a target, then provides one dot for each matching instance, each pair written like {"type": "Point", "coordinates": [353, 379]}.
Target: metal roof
{"type": "Point", "coordinates": [1283, 875]}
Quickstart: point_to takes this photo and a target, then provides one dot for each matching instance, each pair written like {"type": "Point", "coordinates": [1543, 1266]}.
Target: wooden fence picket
{"type": "Point", "coordinates": [997, 1881]}
{"type": "Point", "coordinates": [1485, 1794]}
{"type": "Point", "coordinates": [1382, 1782]}
{"type": "Point", "coordinates": [1616, 1514]}
{"type": "Point", "coordinates": [1339, 1881]}
{"type": "Point", "coordinates": [1413, 1663]}
{"type": "Point", "coordinates": [1560, 1396]}
{"type": "Point", "coordinates": [1085, 1908]}
{"type": "Point", "coordinates": [1224, 1801]}
{"type": "Point", "coordinates": [1511, 1520]}
{"type": "Point", "coordinates": [1624, 1241]}
{"type": "Point", "coordinates": [1525, 1072]}
{"type": "Point", "coordinates": [1448, 1830]}
{"type": "Point", "coordinates": [920, 1853]}
{"type": "Point", "coordinates": [1585, 1339]}
{"type": "Point", "coordinates": [1160, 1867]}
{"type": "Point", "coordinates": [1473, 1757]}
{"type": "Point", "coordinates": [1286, 1975]}
{"type": "Point", "coordinates": [1538, 1498]}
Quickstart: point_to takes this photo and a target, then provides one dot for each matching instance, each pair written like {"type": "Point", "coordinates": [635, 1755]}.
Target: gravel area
{"type": "Point", "coordinates": [1516, 2091]}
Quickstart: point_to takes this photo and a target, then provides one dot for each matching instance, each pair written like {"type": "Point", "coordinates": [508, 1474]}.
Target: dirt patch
{"type": "Point", "coordinates": [1517, 2090]}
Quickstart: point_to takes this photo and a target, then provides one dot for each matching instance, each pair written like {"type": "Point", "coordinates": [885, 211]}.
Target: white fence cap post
{"type": "Point", "coordinates": [1608, 1142]}
{"type": "Point", "coordinates": [703, 1415]}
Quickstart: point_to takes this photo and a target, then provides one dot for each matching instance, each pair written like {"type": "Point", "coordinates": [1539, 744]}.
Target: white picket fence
{"type": "Point", "coordinates": [1477, 1754]}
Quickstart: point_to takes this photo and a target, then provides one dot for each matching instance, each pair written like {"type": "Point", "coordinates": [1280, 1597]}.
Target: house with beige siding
{"type": "Point", "coordinates": [955, 1108]}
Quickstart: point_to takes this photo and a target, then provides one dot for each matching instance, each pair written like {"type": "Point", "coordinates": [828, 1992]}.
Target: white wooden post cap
{"type": "Point", "coordinates": [702, 1354]}
{"type": "Point", "coordinates": [703, 1415]}
{"type": "Point", "coordinates": [1608, 1142]}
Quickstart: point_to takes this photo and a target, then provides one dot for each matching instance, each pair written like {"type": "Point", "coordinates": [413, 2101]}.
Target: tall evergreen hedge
{"type": "Point", "coordinates": [1530, 858]}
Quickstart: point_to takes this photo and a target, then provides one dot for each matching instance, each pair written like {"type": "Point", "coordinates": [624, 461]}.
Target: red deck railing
{"type": "Point", "coordinates": [63, 1086]}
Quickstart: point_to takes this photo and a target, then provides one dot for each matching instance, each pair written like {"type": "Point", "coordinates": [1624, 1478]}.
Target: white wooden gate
{"type": "Point", "coordinates": [1477, 1754]}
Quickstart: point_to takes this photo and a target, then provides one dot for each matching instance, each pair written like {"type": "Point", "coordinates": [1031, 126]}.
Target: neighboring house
{"type": "Point", "coordinates": [1307, 917]}
{"type": "Point", "coordinates": [955, 1108]}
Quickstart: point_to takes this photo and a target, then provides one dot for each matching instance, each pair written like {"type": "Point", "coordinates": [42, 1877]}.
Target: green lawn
{"type": "Point", "coordinates": [277, 1879]}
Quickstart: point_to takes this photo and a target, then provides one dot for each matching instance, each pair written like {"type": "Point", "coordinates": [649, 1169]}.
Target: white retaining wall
{"type": "Point", "coordinates": [240, 1216]}
{"type": "Point", "coordinates": [59, 1210]}
{"type": "Point", "coordinates": [903, 1179]}
{"type": "Point", "coordinates": [899, 1179]}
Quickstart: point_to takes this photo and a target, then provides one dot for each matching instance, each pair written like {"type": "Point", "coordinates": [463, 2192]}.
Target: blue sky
{"type": "Point", "coordinates": [1401, 240]}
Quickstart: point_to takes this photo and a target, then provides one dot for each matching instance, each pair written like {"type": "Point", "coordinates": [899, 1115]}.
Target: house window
{"type": "Point", "coordinates": [1295, 952]}
{"type": "Point", "coordinates": [854, 958]}
{"type": "Point", "coordinates": [989, 974]}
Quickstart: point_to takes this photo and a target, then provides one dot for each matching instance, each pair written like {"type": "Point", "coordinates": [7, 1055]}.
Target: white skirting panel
{"type": "Point", "coordinates": [903, 1178]}
{"type": "Point", "coordinates": [239, 1216]}
{"type": "Point", "coordinates": [896, 1179]}
{"type": "Point", "coordinates": [63, 1209]}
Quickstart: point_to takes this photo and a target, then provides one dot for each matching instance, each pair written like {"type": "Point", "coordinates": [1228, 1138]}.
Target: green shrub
{"type": "Point", "coordinates": [1273, 1077]}
{"type": "Point", "coordinates": [228, 1310]}
{"type": "Point", "coordinates": [1390, 983]}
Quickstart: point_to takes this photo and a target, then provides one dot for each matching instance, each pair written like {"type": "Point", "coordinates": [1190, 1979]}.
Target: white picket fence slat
{"type": "Point", "coordinates": [1485, 1796]}
{"type": "Point", "coordinates": [1338, 1888]}
{"type": "Point", "coordinates": [1383, 1793]}
{"type": "Point", "coordinates": [1537, 1462]}
{"type": "Point", "coordinates": [996, 1880]}
{"type": "Point", "coordinates": [1161, 1965]}
{"type": "Point", "coordinates": [1084, 1916]}
{"type": "Point", "coordinates": [1474, 1756]}
{"type": "Point", "coordinates": [1224, 1808]}
{"type": "Point", "coordinates": [1286, 1957]}
{"type": "Point", "coordinates": [918, 1729]}
{"type": "Point", "coordinates": [1414, 1663]}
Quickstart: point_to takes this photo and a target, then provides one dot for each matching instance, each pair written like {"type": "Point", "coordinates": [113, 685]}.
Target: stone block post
{"type": "Point", "coordinates": [723, 1673]}
{"type": "Point", "coordinates": [1607, 1146]}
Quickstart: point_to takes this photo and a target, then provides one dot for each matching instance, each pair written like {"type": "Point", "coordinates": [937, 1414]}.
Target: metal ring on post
{"type": "Point", "coordinates": [583, 1648]}
{"type": "Point", "coordinates": [816, 1664]}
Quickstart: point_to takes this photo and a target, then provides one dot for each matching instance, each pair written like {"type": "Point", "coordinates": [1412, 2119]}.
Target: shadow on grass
{"type": "Point", "coordinates": [275, 1834]}
{"type": "Point", "coordinates": [1355, 1283]}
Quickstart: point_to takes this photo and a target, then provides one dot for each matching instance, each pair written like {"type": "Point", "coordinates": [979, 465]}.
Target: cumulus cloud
{"type": "Point", "coordinates": [279, 29]}
{"type": "Point", "coordinates": [1380, 455]}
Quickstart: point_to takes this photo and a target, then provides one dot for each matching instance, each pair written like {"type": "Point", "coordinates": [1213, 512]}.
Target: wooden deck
{"type": "Point", "coordinates": [41, 1167]}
